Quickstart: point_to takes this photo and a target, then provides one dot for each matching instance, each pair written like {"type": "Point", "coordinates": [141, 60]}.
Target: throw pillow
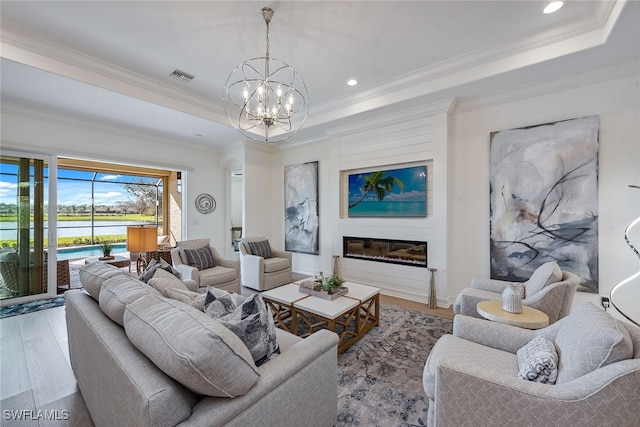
{"type": "Point", "coordinates": [543, 276]}
{"type": "Point", "coordinates": [190, 346]}
{"type": "Point", "coordinates": [261, 249]}
{"type": "Point", "coordinates": [589, 339]}
{"type": "Point", "coordinates": [163, 280]}
{"type": "Point", "coordinates": [538, 361]}
{"type": "Point", "coordinates": [153, 265]}
{"type": "Point", "coordinates": [252, 322]}
{"type": "Point", "coordinates": [194, 299]}
{"type": "Point", "coordinates": [219, 303]}
{"type": "Point", "coordinates": [200, 258]}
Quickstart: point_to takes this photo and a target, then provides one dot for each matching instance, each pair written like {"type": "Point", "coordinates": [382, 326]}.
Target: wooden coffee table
{"type": "Point", "coordinates": [350, 316]}
{"type": "Point", "coordinates": [530, 318]}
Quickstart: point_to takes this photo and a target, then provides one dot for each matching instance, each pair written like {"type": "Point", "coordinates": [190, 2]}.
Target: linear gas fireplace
{"type": "Point", "coordinates": [405, 252]}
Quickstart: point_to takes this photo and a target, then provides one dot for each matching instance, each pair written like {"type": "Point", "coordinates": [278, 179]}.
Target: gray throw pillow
{"type": "Point", "coordinates": [543, 276]}
{"type": "Point", "coordinates": [251, 321]}
{"type": "Point", "coordinates": [200, 258]}
{"type": "Point", "coordinates": [162, 281]}
{"type": "Point", "coordinates": [261, 248]}
{"type": "Point", "coordinates": [538, 361]}
{"type": "Point", "coordinates": [153, 265]}
{"type": "Point", "coordinates": [589, 339]}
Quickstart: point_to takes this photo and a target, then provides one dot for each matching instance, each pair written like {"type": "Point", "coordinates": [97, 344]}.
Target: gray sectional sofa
{"type": "Point", "coordinates": [145, 360]}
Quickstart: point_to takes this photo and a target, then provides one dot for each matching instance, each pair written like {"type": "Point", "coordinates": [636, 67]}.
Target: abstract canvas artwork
{"type": "Point", "coordinates": [301, 208]}
{"type": "Point", "coordinates": [389, 193]}
{"type": "Point", "coordinates": [544, 200]}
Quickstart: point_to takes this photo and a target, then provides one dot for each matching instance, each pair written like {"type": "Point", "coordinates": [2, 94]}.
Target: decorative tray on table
{"type": "Point", "coordinates": [315, 289]}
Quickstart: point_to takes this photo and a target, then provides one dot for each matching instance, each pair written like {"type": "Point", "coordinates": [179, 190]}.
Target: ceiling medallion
{"type": "Point", "coordinates": [265, 98]}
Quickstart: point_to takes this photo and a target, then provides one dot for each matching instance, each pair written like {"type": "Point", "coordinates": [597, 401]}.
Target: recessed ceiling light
{"type": "Point", "coordinates": [553, 6]}
{"type": "Point", "coordinates": [352, 82]}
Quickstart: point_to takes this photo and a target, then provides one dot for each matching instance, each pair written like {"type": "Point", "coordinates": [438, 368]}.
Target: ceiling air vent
{"type": "Point", "coordinates": [182, 76]}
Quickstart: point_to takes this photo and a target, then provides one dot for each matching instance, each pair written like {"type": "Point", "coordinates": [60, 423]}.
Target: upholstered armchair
{"type": "Point", "coordinates": [476, 377]}
{"type": "Point", "coordinates": [201, 265]}
{"type": "Point", "coordinates": [263, 267]}
{"type": "Point", "coordinates": [549, 290]}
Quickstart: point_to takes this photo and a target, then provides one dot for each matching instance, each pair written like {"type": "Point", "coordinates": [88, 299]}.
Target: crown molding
{"type": "Point", "coordinates": [590, 30]}
{"type": "Point", "coordinates": [548, 87]}
{"type": "Point", "coordinates": [40, 53]}
{"type": "Point", "coordinates": [13, 109]}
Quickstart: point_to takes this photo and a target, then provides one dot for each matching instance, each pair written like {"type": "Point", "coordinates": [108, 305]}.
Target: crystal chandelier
{"type": "Point", "coordinates": [265, 98]}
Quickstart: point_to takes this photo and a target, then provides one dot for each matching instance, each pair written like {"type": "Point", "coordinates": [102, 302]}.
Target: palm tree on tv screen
{"type": "Point", "coordinates": [380, 184]}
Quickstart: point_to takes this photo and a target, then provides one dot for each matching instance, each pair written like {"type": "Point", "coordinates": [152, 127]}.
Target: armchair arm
{"type": "Point", "coordinates": [491, 285]}
{"type": "Point", "coordinates": [491, 334]}
{"type": "Point", "coordinates": [188, 272]}
{"type": "Point", "coordinates": [548, 300]}
{"type": "Point", "coordinates": [252, 271]}
{"type": "Point", "coordinates": [499, 399]}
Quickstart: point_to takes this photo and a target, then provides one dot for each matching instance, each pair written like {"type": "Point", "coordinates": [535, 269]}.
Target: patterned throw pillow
{"type": "Point", "coordinates": [261, 249]}
{"type": "Point", "coordinates": [154, 264]}
{"type": "Point", "coordinates": [200, 258]}
{"type": "Point", "coordinates": [538, 361]}
{"type": "Point", "coordinates": [251, 321]}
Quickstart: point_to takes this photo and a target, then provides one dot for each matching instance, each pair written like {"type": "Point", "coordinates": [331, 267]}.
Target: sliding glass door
{"type": "Point", "coordinates": [24, 195]}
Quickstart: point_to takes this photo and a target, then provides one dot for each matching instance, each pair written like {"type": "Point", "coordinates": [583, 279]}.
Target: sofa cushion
{"type": "Point", "coordinates": [538, 361]}
{"type": "Point", "coordinates": [163, 280]}
{"type": "Point", "coordinates": [93, 275]}
{"type": "Point", "coordinates": [543, 276]}
{"type": "Point", "coordinates": [217, 275]}
{"type": "Point", "coordinates": [119, 291]}
{"type": "Point", "coordinates": [155, 264]}
{"type": "Point", "coordinates": [260, 248]}
{"type": "Point", "coordinates": [190, 346]}
{"type": "Point", "coordinates": [274, 264]}
{"type": "Point", "coordinates": [589, 339]}
{"type": "Point", "coordinates": [249, 318]}
{"type": "Point", "coordinates": [200, 258]}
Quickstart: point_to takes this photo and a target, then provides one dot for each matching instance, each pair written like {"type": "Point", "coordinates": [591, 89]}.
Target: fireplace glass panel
{"type": "Point", "coordinates": [407, 252]}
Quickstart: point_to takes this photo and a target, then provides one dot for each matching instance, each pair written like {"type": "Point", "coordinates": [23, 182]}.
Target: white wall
{"type": "Point", "coordinates": [616, 102]}
{"type": "Point", "coordinates": [27, 130]}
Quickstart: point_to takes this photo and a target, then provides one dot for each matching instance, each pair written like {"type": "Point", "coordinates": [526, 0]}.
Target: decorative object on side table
{"type": "Point", "coordinates": [512, 298]}
{"type": "Point", "coordinates": [328, 288]}
{"type": "Point", "coordinates": [106, 248]}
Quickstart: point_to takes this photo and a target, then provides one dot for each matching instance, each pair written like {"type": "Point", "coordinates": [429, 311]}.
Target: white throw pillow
{"type": "Point", "coordinates": [538, 361]}
{"type": "Point", "coordinates": [545, 275]}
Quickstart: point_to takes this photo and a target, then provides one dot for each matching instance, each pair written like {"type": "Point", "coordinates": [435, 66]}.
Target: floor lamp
{"type": "Point", "coordinates": [142, 239]}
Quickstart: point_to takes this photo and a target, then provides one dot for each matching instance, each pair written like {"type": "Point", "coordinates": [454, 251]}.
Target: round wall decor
{"type": "Point", "coordinates": [205, 203]}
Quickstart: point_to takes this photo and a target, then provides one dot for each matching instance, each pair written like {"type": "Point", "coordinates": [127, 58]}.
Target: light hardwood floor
{"type": "Point", "coordinates": [36, 380]}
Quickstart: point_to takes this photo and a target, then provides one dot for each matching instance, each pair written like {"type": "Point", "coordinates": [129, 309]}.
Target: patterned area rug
{"type": "Point", "coordinates": [30, 307]}
{"type": "Point", "coordinates": [380, 377]}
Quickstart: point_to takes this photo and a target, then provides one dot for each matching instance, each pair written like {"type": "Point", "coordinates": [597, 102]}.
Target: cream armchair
{"type": "Point", "coordinates": [472, 377]}
{"type": "Point", "coordinates": [225, 274]}
{"type": "Point", "coordinates": [549, 290]}
{"type": "Point", "coordinates": [263, 273]}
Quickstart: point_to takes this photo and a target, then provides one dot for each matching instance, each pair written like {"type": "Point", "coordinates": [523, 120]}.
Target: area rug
{"type": "Point", "coordinates": [30, 307]}
{"type": "Point", "coordinates": [380, 377]}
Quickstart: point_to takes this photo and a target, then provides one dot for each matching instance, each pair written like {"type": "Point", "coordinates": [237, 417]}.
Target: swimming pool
{"type": "Point", "coordinates": [88, 251]}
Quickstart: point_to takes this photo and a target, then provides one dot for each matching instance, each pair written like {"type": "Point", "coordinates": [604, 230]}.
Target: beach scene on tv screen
{"type": "Point", "coordinates": [400, 192]}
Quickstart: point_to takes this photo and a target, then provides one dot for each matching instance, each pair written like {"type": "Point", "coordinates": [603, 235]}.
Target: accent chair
{"type": "Point", "coordinates": [201, 265]}
{"type": "Point", "coordinates": [263, 267]}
